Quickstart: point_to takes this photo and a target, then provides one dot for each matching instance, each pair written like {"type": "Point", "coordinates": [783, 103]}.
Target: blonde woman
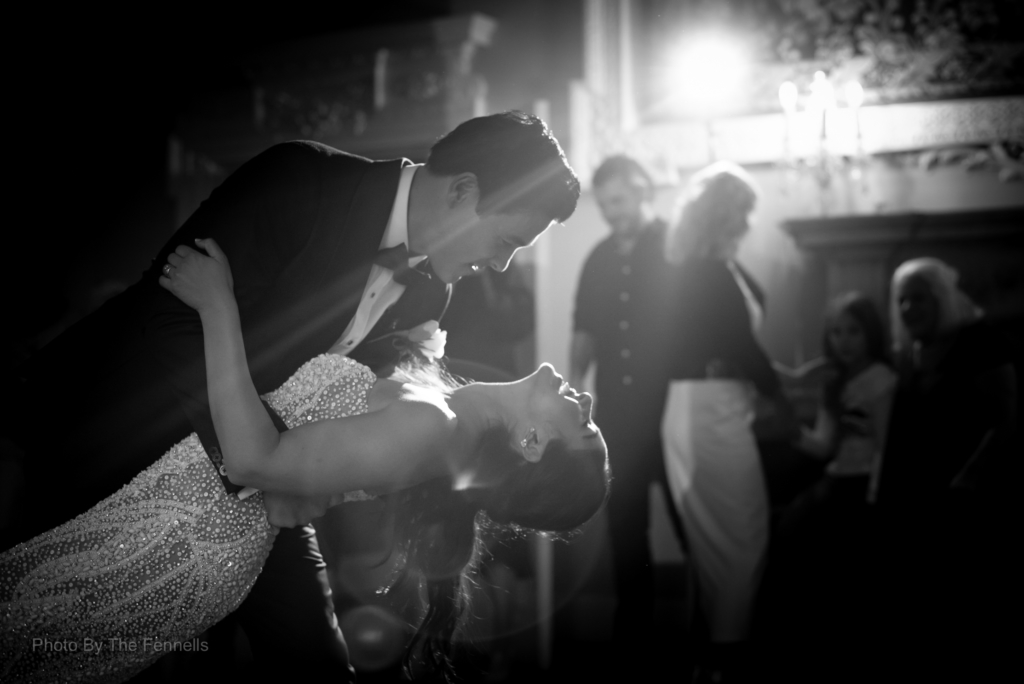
{"type": "Point", "coordinates": [716, 368]}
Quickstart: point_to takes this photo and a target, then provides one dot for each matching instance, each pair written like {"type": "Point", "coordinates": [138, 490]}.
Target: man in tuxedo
{"type": "Point", "coordinates": [328, 251]}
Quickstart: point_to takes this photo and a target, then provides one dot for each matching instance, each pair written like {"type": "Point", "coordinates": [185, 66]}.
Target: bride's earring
{"type": "Point", "coordinates": [531, 446]}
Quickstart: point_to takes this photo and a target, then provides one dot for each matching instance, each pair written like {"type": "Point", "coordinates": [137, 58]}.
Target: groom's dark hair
{"type": "Point", "coordinates": [518, 164]}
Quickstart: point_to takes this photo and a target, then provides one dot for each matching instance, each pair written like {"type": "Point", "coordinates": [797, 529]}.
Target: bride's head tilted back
{"type": "Point", "coordinates": [538, 463]}
{"type": "Point", "coordinates": [542, 463]}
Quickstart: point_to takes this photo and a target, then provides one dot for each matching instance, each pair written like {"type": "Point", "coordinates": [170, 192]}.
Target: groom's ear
{"type": "Point", "coordinates": [463, 187]}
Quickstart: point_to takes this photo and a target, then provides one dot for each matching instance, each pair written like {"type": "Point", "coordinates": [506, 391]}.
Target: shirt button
{"type": "Point", "coordinates": [623, 325]}
{"type": "Point", "coordinates": [626, 270]}
{"type": "Point", "coordinates": [626, 353]}
{"type": "Point", "coordinates": [627, 379]}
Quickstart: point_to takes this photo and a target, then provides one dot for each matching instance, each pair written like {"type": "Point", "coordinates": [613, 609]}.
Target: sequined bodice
{"type": "Point", "coordinates": [329, 386]}
{"type": "Point", "coordinates": [158, 562]}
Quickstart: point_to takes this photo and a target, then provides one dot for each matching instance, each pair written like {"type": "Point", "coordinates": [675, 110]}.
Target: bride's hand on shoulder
{"type": "Point", "coordinates": [203, 282]}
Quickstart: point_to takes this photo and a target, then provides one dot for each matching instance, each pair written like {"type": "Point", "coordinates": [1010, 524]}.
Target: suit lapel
{"type": "Point", "coordinates": [328, 282]}
{"type": "Point", "coordinates": [310, 304]}
{"type": "Point", "coordinates": [354, 244]}
{"type": "Point", "coordinates": [365, 223]}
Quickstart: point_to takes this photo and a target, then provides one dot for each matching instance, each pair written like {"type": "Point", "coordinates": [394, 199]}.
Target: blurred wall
{"type": "Point", "coordinates": [888, 187]}
{"type": "Point", "coordinates": [537, 48]}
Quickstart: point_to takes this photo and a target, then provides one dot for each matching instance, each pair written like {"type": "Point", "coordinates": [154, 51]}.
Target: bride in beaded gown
{"type": "Point", "coordinates": [143, 572]}
{"type": "Point", "coordinates": [160, 561]}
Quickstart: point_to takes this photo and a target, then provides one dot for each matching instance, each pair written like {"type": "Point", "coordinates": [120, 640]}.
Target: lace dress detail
{"type": "Point", "coordinates": [147, 569]}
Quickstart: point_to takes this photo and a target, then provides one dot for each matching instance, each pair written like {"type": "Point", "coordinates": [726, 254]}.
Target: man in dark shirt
{"type": "Point", "coordinates": [618, 302]}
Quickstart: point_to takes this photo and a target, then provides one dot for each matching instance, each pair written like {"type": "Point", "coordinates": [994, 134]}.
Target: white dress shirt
{"type": "Point", "coordinates": [381, 291]}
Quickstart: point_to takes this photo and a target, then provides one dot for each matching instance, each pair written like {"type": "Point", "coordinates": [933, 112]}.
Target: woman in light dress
{"type": "Point", "coordinates": [144, 571]}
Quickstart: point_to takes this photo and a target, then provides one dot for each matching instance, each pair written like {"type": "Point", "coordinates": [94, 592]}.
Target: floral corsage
{"type": "Point", "coordinates": [426, 340]}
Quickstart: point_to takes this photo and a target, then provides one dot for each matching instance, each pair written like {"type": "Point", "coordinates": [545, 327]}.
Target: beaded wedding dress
{"type": "Point", "coordinates": [147, 569]}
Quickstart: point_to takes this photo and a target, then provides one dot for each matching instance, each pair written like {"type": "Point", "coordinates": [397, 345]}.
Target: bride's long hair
{"type": "Point", "coordinates": [437, 526]}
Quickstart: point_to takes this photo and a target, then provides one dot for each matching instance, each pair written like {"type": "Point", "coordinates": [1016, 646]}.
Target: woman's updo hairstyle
{"type": "Point", "coordinates": [557, 494]}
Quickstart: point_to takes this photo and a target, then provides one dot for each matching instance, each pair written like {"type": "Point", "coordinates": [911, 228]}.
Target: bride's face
{"type": "Point", "coordinates": [550, 409]}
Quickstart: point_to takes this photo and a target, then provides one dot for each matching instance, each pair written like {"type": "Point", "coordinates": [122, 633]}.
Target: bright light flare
{"type": "Point", "coordinates": [823, 95]}
{"type": "Point", "coordinates": [788, 96]}
{"type": "Point", "coordinates": [854, 94]}
{"type": "Point", "coordinates": [709, 72]}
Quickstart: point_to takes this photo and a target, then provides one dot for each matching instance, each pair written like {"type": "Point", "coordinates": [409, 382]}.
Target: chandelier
{"type": "Point", "coordinates": [823, 133]}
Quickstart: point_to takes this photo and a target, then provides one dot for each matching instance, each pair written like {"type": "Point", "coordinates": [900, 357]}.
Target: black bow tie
{"type": "Point", "coordinates": [397, 259]}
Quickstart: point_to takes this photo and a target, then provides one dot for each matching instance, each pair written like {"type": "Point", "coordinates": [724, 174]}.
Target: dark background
{"type": "Point", "coordinates": [94, 99]}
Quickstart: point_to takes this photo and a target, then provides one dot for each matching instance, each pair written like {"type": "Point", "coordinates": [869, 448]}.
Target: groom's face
{"type": "Point", "coordinates": [474, 241]}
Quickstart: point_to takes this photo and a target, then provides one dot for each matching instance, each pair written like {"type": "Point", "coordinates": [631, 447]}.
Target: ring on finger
{"type": "Point", "coordinates": [167, 270]}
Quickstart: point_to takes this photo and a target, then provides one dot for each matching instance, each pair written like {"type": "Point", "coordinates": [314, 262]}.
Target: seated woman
{"type": "Point", "coordinates": [172, 553]}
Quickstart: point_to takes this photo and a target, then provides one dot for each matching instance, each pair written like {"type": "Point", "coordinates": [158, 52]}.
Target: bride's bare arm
{"type": "Point", "coordinates": [404, 444]}
{"type": "Point", "coordinates": [205, 284]}
{"type": "Point", "coordinates": [387, 450]}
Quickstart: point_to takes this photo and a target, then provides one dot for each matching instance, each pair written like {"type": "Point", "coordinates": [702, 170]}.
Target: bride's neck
{"type": "Point", "coordinates": [476, 408]}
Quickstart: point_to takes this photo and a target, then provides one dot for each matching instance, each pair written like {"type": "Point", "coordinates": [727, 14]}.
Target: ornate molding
{"type": "Point", "coordinates": [835, 236]}
{"type": "Point", "coordinates": [383, 92]}
{"type": "Point", "coordinates": [411, 83]}
{"type": "Point", "coordinates": [761, 139]}
{"type": "Point", "coordinates": [861, 252]}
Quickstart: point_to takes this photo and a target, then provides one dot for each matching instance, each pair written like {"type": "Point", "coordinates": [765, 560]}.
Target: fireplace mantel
{"type": "Point", "coordinates": [861, 252]}
{"type": "Point", "coordinates": [888, 230]}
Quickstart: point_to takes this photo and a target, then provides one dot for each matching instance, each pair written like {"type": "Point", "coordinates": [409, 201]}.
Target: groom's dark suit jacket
{"type": "Point", "coordinates": [301, 224]}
